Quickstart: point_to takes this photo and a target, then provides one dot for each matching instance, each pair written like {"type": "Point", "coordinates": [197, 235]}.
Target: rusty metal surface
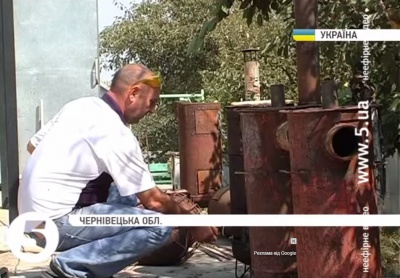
{"type": "Point", "coordinates": [220, 203]}
{"type": "Point", "coordinates": [240, 245]}
{"type": "Point", "coordinates": [235, 156]}
{"type": "Point", "coordinates": [206, 121]}
{"type": "Point", "coordinates": [200, 149]}
{"type": "Point", "coordinates": [307, 53]}
{"type": "Point", "coordinates": [252, 80]}
{"type": "Point", "coordinates": [268, 191]}
{"type": "Point", "coordinates": [208, 178]}
{"type": "Point", "coordinates": [324, 184]}
{"type": "Point", "coordinates": [240, 241]}
{"type": "Point", "coordinates": [251, 74]}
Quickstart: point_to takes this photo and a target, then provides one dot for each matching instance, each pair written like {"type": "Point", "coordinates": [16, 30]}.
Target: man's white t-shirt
{"type": "Point", "coordinates": [82, 150]}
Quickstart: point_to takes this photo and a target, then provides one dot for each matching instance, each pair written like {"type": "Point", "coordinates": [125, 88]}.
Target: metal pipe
{"type": "Point", "coordinates": [307, 53]}
{"type": "Point", "coordinates": [341, 142]}
{"type": "Point", "coordinates": [251, 74]}
{"type": "Point", "coordinates": [201, 95]}
{"type": "Point", "coordinates": [329, 94]}
{"type": "Point", "coordinates": [41, 114]}
{"type": "Point", "coordinates": [277, 95]}
{"type": "Point", "coordinates": [181, 96]}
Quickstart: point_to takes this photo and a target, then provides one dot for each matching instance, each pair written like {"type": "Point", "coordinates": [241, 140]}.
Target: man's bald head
{"type": "Point", "coordinates": [128, 75]}
{"type": "Point", "coordinates": [134, 93]}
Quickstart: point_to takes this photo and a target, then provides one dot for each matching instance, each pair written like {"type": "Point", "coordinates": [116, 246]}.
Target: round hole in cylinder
{"type": "Point", "coordinates": [342, 142]}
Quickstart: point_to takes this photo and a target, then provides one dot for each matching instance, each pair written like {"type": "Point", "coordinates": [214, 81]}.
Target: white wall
{"type": "Point", "coordinates": [54, 59]}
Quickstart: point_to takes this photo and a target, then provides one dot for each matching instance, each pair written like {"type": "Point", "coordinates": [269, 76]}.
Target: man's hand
{"type": "Point", "coordinates": [156, 200]}
{"type": "Point", "coordinates": [204, 234]}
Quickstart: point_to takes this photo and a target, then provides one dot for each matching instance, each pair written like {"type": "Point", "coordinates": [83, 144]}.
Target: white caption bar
{"type": "Point", "coordinates": [357, 35]}
{"type": "Point", "coordinates": [235, 220]}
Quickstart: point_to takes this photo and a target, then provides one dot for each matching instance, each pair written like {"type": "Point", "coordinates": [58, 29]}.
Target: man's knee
{"type": "Point", "coordinates": [162, 234]}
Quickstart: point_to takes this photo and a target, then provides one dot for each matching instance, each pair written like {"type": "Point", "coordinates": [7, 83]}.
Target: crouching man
{"type": "Point", "coordinates": [85, 148]}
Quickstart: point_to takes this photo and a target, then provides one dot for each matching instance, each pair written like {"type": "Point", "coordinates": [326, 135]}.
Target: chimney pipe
{"type": "Point", "coordinates": [251, 74]}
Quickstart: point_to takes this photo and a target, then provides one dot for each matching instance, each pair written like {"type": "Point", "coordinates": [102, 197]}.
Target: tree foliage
{"type": "Point", "coordinates": [337, 59]}
{"type": "Point", "coordinates": [157, 33]}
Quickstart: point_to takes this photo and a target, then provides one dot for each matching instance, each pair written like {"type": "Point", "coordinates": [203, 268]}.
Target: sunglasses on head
{"type": "Point", "coordinates": [153, 81]}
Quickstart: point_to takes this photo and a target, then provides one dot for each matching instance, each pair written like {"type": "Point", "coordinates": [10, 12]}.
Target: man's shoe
{"type": "Point", "coordinates": [51, 274]}
{"type": "Point", "coordinates": [48, 274]}
{"type": "Point", "coordinates": [55, 272]}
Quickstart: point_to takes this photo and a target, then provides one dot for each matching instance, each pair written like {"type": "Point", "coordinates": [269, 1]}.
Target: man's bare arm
{"type": "Point", "coordinates": [30, 147]}
{"type": "Point", "coordinates": [156, 200]}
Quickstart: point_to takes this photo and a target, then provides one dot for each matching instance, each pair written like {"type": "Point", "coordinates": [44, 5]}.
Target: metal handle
{"type": "Point", "coordinates": [94, 76]}
{"type": "Point", "coordinates": [41, 114]}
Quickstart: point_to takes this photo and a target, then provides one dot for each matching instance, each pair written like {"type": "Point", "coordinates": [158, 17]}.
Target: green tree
{"type": "Point", "coordinates": [157, 34]}
{"type": "Point", "coordinates": [337, 59]}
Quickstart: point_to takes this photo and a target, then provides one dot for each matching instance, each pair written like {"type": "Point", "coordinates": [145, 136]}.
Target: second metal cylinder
{"type": "Point", "coordinates": [268, 191]}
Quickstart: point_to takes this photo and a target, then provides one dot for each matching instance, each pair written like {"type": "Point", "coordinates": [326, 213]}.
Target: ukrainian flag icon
{"type": "Point", "coordinates": [304, 35]}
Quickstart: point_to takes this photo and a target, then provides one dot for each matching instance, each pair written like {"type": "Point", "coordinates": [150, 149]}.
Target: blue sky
{"type": "Point", "coordinates": [107, 12]}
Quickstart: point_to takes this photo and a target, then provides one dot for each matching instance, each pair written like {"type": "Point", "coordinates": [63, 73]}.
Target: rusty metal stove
{"type": "Point", "coordinates": [200, 149]}
{"type": "Point", "coordinates": [323, 155]}
{"type": "Point", "coordinates": [242, 238]}
{"type": "Point", "coordinates": [268, 189]}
